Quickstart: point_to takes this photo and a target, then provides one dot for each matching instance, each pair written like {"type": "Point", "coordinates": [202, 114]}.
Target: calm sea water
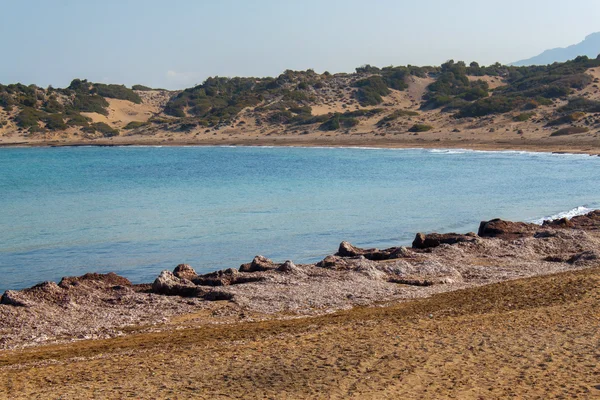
{"type": "Point", "coordinates": [138, 210]}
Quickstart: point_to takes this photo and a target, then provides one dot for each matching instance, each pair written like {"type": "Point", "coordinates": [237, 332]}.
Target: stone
{"type": "Point", "coordinates": [423, 241]}
{"type": "Point", "coordinates": [507, 230]}
{"type": "Point", "coordinates": [289, 267]}
{"type": "Point", "coordinates": [184, 271]}
{"type": "Point", "coordinates": [168, 284]}
{"type": "Point", "coordinates": [259, 263]}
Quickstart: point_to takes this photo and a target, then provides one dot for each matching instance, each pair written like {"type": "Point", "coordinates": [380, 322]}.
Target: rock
{"type": "Point", "coordinates": [506, 230]}
{"type": "Point", "coordinates": [260, 263]}
{"type": "Point", "coordinates": [333, 262]}
{"type": "Point", "coordinates": [289, 267]}
{"type": "Point", "coordinates": [169, 284]}
{"type": "Point", "coordinates": [423, 241]}
{"type": "Point", "coordinates": [558, 223]}
{"type": "Point", "coordinates": [43, 292]}
{"type": "Point", "coordinates": [589, 221]}
{"type": "Point", "coordinates": [348, 250]}
{"type": "Point", "coordinates": [218, 295]}
{"type": "Point", "coordinates": [14, 298]}
{"type": "Point", "coordinates": [185, 271]}
{"type": "Point", "coordinates": [110, 279]}
{"type": "Point", "coordinates": [401, 252]}
{"type": "Point", "coordinates": [582, 257]}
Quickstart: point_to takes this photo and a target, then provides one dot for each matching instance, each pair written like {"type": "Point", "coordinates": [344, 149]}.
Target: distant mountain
{"type": "Point", "coordinates": [589, 47]}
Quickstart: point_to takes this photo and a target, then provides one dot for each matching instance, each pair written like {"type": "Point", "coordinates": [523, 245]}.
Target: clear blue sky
{"type": "Point", "coordinates": [178, 43]}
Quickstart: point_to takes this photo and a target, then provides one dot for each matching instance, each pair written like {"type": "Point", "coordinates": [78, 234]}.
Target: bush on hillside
{"type": "Point", "coordinates": [572, 130]}
{"type": "Point", "coordinates": [420, 128]}
{"type": "Point", "coordinates": [117, 92]}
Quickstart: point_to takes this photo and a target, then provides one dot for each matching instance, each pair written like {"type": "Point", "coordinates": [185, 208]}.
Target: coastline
{"type": "Point", "coordinates": [375, 143]}
{"type": "Point", "coordinates": [465, 308]}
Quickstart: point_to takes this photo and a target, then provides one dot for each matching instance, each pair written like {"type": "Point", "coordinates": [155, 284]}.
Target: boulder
{"type": "Point", "coordinates": [423, 241]}
{"type": "Point", "coordinates": [169, 284]}
{"type": "Point", "coordinates": [348, 250]}
{"type": "Point", "coordinates": [43, 292]}
{"type": "Point", "coordinates": [333, 262]}
{"type": "Point", "coordinates": [289, 267]}
{"type": "Point", "coordinates": [260, 263]}
{"type": "Point", "coordinates": [218, 278]}
{"type": "Point", "coordinates": [589, 221]}
{"type": "Point", "coordinates": [583, 257]}
{"type": "Point", "coordinates": [507, 230]}
{"type": "Point", "coordinates": [110, 279]}
{"type": "Point", "coordinates": [14, 298]}
{"type": "Point", "coordinates": [185, 271]}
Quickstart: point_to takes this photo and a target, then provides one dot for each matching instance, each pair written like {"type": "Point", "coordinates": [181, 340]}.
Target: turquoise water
{"type": "Point", "coordinates": [138, 210]}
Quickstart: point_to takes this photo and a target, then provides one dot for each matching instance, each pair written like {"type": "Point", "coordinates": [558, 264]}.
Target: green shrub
{"type": "Point", "coordinates": [370, 91]}
{"type": "Point", "coordinates": [53, 106]}
{"type": "Point", "coordinates": [29, 118]}
{"type": "Point", "coordinates": [420, 128]}
{"type": "Point", "coordinates": [135, 125]}
{"type": "Point", "coordinates": [105, 129]}
{"type": "Point", "coordinates": [395, 115]}
{"type": "Point", "coordinates": [90, 103]}
{"type": "Point", "coordinates": [490, 105]}
{"type": "Point", "coordinates": [117, 92]}
{"type": "Point", "coordinates": [523, 116]}
{"type": "Point", "coordinates": [567, 119]}
{"type": "Point", "coordinates": [54, 122]}
{"type": "Point", "coordinates": [572, 130]}
{"type": "Point", "coordinates": [76, 119]}
{"type": "Point", "coordinates": [581, 104]}
{"type": "Point", "coordinates": [332, 124]}
{"type": "Point", "coordinates": [141, 88]}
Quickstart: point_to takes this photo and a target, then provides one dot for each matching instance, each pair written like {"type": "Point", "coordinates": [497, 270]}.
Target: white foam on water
{"type": "Point", "coordinates": [581, 210]}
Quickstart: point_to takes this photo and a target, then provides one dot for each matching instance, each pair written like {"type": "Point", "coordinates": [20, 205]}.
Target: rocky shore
{"type": "Point", "coordinates": [106, 305]}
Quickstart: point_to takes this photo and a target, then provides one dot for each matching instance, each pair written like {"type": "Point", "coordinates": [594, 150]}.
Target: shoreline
{"type": "Point", "coordinates": [555, 148]}
{"type": "Point", "coordinates": [96, 306]}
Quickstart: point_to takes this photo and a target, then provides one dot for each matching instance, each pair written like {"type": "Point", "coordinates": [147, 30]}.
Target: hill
{"type": "Point", "coordinates": [589, 47]}
{"type": "Point", "coordinates": [553, 107]}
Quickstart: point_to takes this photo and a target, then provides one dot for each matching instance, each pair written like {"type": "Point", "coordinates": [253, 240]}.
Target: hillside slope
{"type": "Point", "coordinates": [554, 107]}
{"type": "Point", "coordinates": [590, 47]}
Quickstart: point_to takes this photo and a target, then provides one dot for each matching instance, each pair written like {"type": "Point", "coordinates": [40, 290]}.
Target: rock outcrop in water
{"type": "Point", "coordinates": [99, 305]}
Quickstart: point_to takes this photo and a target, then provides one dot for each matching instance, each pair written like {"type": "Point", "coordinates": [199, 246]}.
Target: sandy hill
{"type": "Point", "coordinates": [550, 108]}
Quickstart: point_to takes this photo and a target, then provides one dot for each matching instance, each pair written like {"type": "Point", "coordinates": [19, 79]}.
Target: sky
{"type": "Point", "coordinates": [178, 43]}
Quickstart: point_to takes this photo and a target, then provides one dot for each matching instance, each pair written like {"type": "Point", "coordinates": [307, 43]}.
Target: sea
{"type": "Point", "coordinates": [136, 211]}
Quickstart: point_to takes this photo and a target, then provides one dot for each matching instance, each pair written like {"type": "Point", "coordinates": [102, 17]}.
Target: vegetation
{"type": "Point", "coordinates": [141, 88]}
{"type": "Point", "coordinates": [395, 115]}
{"type": "Point", "coordinates": [370, 91]}
{"type": "Point", "coordinates": [453, 88]}
{"type": "Point", "coordinates": [289, 98]}
{"type": "Point", "coordinates": [523, 116]}
{"type": "Point", "coordinates": [135, 125]}
{"type": "Point", "coordinates": [420, 128]}
{"type": "Point", "coordinates": [572, 130]}
{"type": "Point", "coordinates": [104, 129]}
{"type": "Point", "coordinates": [116, 92]}
{"type": "Point", "coordinates": [567, 119]}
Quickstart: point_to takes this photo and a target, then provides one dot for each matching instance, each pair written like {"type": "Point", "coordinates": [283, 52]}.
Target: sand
{"type": "Point", "coordinates": [531, 338]}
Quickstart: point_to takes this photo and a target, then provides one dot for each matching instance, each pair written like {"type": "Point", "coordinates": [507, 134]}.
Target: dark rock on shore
{"type": "Point", "coordinates": [423, 241]}
{"type": "Point", "coordinates": [185, 271]}
{"type": "Point", "coordinates": [507, 230]}
{"type": "Point", "coordinates": [110, 279]}
{"type": "Point", "coordinates": [260, 263]}
{"type": "Point", "coordinates": [227, 277]}
{"type": "Point", "coordinates": [169, 284]}
{"type": "Point", "coordinates": [589, 221]}
{"type": "Point", "coordinates": [348, 250]}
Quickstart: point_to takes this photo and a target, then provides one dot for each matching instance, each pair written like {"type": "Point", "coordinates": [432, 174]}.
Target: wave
{"type": "Point", "coordinates": [581, 210]}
